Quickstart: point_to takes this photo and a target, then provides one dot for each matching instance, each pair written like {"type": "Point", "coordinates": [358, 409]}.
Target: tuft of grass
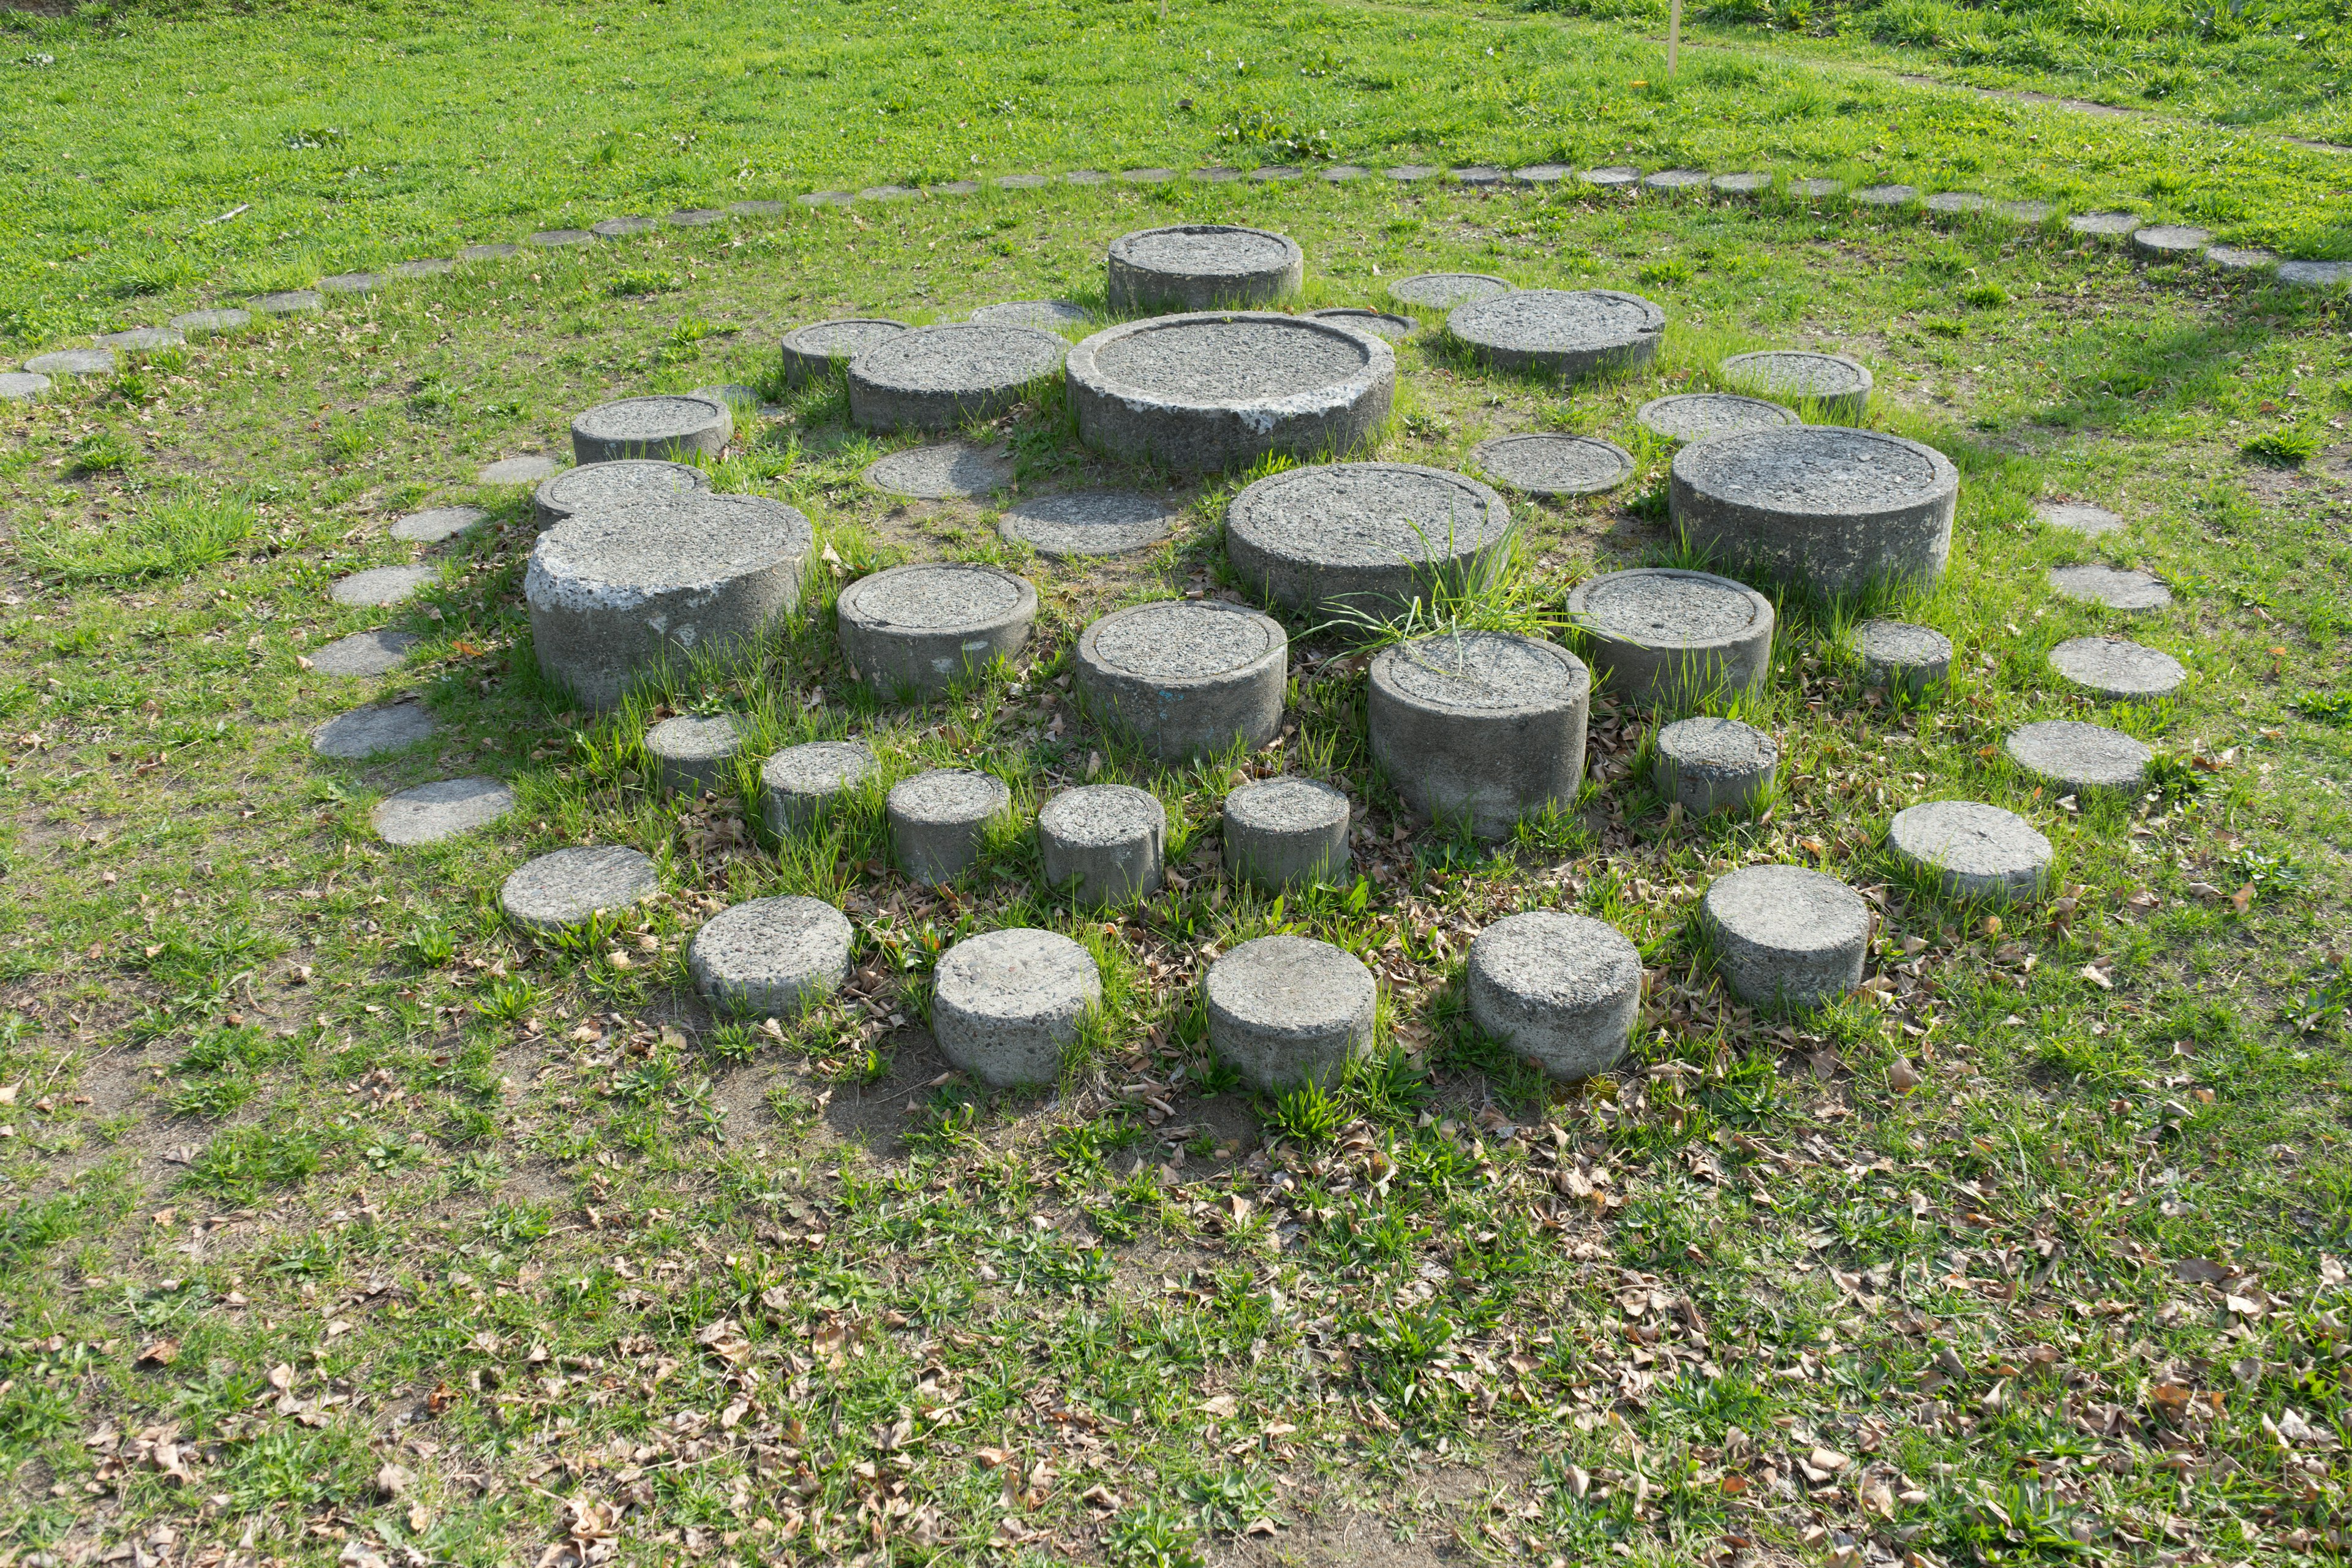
{"type": "Point", "coordinates": [2289, 448]}
{"type": "Point", "coordinates": [169, 540]}
{"type": "Point", "coordinates": [241, 1163]}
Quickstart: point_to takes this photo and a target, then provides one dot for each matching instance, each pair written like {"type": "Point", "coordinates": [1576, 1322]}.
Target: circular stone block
{"type": "Point", "coordinates": [1183, 679]}
{"type": "Point", "coordinates": [1288, 1010]}
{"type": "Point", "coordinates": [936, 378]}
{"type": "Point", "coordinates": [1886, 196]}
{"type": "Point", "coordinates": [212, 323]}
{"type": "Point", "coordinates": [2112, 228]}
{"type": "Point", "coordinates": [1955, 203]}
{"type": "Point", "coordinates": [2170, 241]}
{"type": "Point", "coordinates": [558, 238]}
{"type": "Point", "coordinates": [670, 425]}
{"type": "Point", "coordinates": [1087, 177]}
{"type": "Point", "coordinates": [1046, 315]}
{"type": "Point", "coordinates": [1837, 510]}
{"type": "Point", "coordinates": [1674, 182]}
{"type": "Point", "coordinates": [939, 820]}
{"type": "Point", "coordinates": [695, 218]}
{"type": "Point", "coordinates": [1102, 844]}
{"type": "Point", "coordinates": [2116, 587]}
{"type": "Point", "coordinates": [1972, 850]}
{"type": "Point", "coordinates": [1570, 333]}
{"type": "Point", "coordinates": [1696, 416]}
{"type": "Point", "coordinates": [1202, 267]}
{"type": "Point", "coordinates": [72, 362]}
{"type": "Point", "coordinates": [1286, 832]}
{"type": "Point", "coordinates": [1342, 173]}
{"type": "Point", "coordinates": [1023, 182]}
{"type": "Point", "coordinates": [380, 585]}
{"type": "Point", "coordinates": [1146, 176]}
{"type": "Point", "coordinates": [529, 469]}
{"type": "Point", "coordinates": [919, 628]}
{"type": "Point", "coordinates": [825, 198]}
{"type": "Point", "coordinates": [363, 654]}
{"type": "Point", "coordinates": [1541, 173]}
{"type": "Point", "coordinates": [1715, 764]}
{"type": "Point", "coordinates": [1385, 324]}
{"type": "Point", "coordinates": [1614, 178]}
{"type": "Point", "coordinates": [771, 957]}
{"type": "Point", "coordinates": [1900, 656]}
{"type": "Point", "coordinates": [1482, 728]}
{"type": "Point", "coordinates": [956, 188]}
{"type": "Point", "coordinates": [1839, 386]}
{"type": "Point", "coordinates": [366, 732]}
{"type": "Point", "coordinates": [351, 283]}
{"type": "Point", "coordinates": [604, 487]}
{"type": "Point", "coordinates": [569, 888]}
{"type": "Point", "coordinates": [1661, 634]}
{"type": "Point", "coordinates": [800, 784]}
{"type": "Point", "coordinates": [614, 594]}
{"type": "Point", "coordinates": [757, 208]}
{"type": "Point", "coordinates": [1743, 186]}
{"type": "Point", "coordinates": [1411, 171]}
{"type": "Point", "coordinates": [1367, 537]}
{"type": "Point", "coordinates": [2315, 274]}
{"type": "Point", "coordinates": [1445, 291]}
{"type": "Point", "coordinates": [2241, 257]}
{"type": "Point", "coordinates": [886, 193]}
{"type": "Point", "coordinates": [1207, 391]}
{"type": "Point", "coordinates": [825, 348]}
{"type": "Point", "coordinates": [951, 470]}
{"type": "Point", "coordinates": [2077, 517]}
{"type": "Point", "coordinates": [1006, 1005]}
{"type": "Point", "coordinates": [498, 252]}
{"type": "Point", "coordinates": [433, 526]}
{"type": "Point", "coordinates": [1546, 464]}
{"type": "Point", "coordinates": [22, 386]}
{"type": "Point", "coordinates": [139, 338]}
{"type": "Point", "coordinates": [1785, 936]}
{"type": "Point", "coordinates": [442, 809]}
{"type": "Point", "coordinates": [2115, 670]}
{"type": "Point", "coordinates": [1089, 522]}
{"type": "Point", "coordinates": [2078, 756]}
{"type": "Point", "coordinates": [1560, 990]}
{"type": "Point", "coordinates": [1812, 190]}
{"type": "Point", "coordinates": [695, 752]}
{"type": "Point", "coordinates": [291, 302]}
{"type": "Point", "coordinates": [1478, 174]}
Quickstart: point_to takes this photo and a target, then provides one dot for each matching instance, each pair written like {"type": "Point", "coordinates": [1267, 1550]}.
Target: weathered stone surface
{"type": "Point", "coordinates": [291, 302]}
{"type": "Point", "coordinates": [1007, 1004]}
{"type": "Point", "coordinates": [1708, 764]}
{"type": "Point", "coordinates": [825, 198]}
{"type": "Point", "coordinates": [366, 732]}
{"type": "Point", "coordinates": [1282, 834]}
{"type": "Point", "coordinates": [938, 821]}
{"type": "Point", "coordinates": [2112, 228]}
{"type": "Point", "coordinates": [669, 426]}
{"type": "Point", "coordinates": [801, 784]}
{"type": "Point", "coordinates": [893, 193]}
{"type": "Point", "coordinates": [2170, 241]}
{"type": "Point", "coordinates": [1886, 196]}
{"type": "Point", "coordinates": [956, 188]}
{"type": "Point", "coordinates": [1570, 333]}
{"type": "Point", "coordinates": [1409, 172]}
{"type": "Point", "coordinates": [1900, 656]}
{"type": "Point", "coordinates": [1343, 173]}
{"type": "Point", "coordinates": [1445, 291]}
{"type": "Point", "coordinates": [693, 752]}
{"type": "Point", "coordinates": [569, 888]}
{"type": "Point", "coordinates": [2078, 517]}
{"type": "Point", "coordinates": [1288, 1010]}
{"type": "Point", "coordinates": [1661, 634]}
{"type": "Point", "coordinates": [380, 585]}
{"type": "Point", "coordinates": [1541, 173]}
{"type": "Point", "coordinates": [919, 629]}
{"type": "Point", "coordinates": [1696, 416]}
{"type": "Point", "coordinates": [1837, 510]}
{"type": "Point", "coordinates": [1478, 174]}
{"type": "Point", "coordinates": [1046, 315]}
{"type": "Point", "coordinates": [138, 338]}
{"type": "Point", "coordinates": [438, 523]}
{"type": "Point", "coordinates": [1676, 181]}
{"type": "Point", "coordinates": [771, 957]}
{"type": "Point", "coordinates": [1837, 386]}
{"type": "Point", "coordinates": [695, 218]}
{"type": "Point", "coordinates": [1386, 324]}
{"type": "Point", "coordinates": [442, 809]}
{"type": "Point", "coordinates": [529, 469]}
{"type": "Point", "coordinates": [1785, 936]}
{"type": "Point", "coordinates": [72, 362]}
{"type": "Point", "coordinates": [1146, 176]}
{"type": "Point", "coordinates": [1972, 850]}
{"type": "Point", "coordinates": [1087, 177]}
{"type": "Point", "coordinates": [1740, 186]}
{"type": "Point", "coordinates": [1183, 679]}
{"type": "Point", "coordinates": [2241, 259]}
{"type": "Point", "coordinates": [1023, 182]}
{"type": "Point", "coordinates": [1480, 728]}
{"type": "Point", "coordinates": [1613, 177]}
{"type": "Point", "coordinates": [212, 323]}
{"type": "Point", "coordinates": [2078, 756]}
{"type": "Point", "coordinates": [1102, 845]}
{"type": "Point", "coordinates": [1955, 203]}
{"type": "Point", "coordinates": [1202, 267]}
{"type": "Point", "coordinates": [1812, 190]}
{"type": "Point", "coordinates": [22, 386]}
{"type": "Point", "coordinates": [604, 487]}
{"type": "Point", "coordinates": [2115, 670]}
{"type": "Point", "coordinates": [948, 470]}
{"type": "Point", "coordinates": [1546, 463]}
{"type": "Point", "coordinates": [497, 252]}
{"type": "Point", "coordinates": [559, 238]}
{"type": "Point", "coordinates": [2028, 212]}
{"type": "Point", "coordinates": [424, 267]}
{"type": "Point", "coordinates": [1560, 990]}
{"type": "Point", "coordinates": [1090, 522]}
{"type": "Point", "coordinates": [363, 654]}
{"type": "Point", "coordinates": [351, 283]}
{"type": "Point", "coordinates": [2315, 274]}
{"type": "Point", "coordinates": [937, 378]}
{"type": "Point", "coordinates": [1364, 537]}
{"type": "Point", "coordinates": [1205, 390]}
{"type": "Point", "coordinates": [825, 348]}
{"type": "Point", "coordinates": [622, 227]}
{"type": "Point", "coordinates": [2116, 587]}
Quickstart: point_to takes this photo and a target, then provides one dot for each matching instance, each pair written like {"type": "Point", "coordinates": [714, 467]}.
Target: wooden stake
{"type": "Point", "coordinates": [1674, 34]}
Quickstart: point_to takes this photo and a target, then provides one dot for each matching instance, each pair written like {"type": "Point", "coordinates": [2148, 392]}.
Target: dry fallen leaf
{"type": "Point", "coordinates": [159, 1352]}
{"type": "Point", "coordinates": [1902, 1077]}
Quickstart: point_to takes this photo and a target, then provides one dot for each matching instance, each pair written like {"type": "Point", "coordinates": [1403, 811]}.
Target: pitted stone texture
{"type": "Point", "coordinates": [2241, 257]}
{"type": "Point", "coordinates": [1102, 845]}
{"type": "Point", "coordinates": [209, 323]}
{"type": "Point", "coordinates": [1955, 203]}
{"type": "Point", "coordinates": [22, 386]}
{"type": "Point", "coordinates": [1715, 764]}
{"type": "Point", "coordinates": [825, 198]}
{"type": "Point", "coordinates": [141, 337]}
{"type": "Point", "coordinates": [1661, 634]}
{"type": "Point", "coordinates": [1480, 175]}
{"type": "Point", "coordinates": [1211, 390]}
{"type": "Point", "coordinates": [757, 208]}
{"type": "Point", "coordinates": [1046, 315]}
{"type": "Point", "coordinates": [1480, 728]}
{"type": "Point", "coordinates": [956, 188]}
{"type": "Point", "coordinates": [1367, 537]}
{"type": "Point", "coordinates": [1087, 177]}
{"type": "Point", "coordinates": [616, 593]}
{"type": "Point", "coordinates": [529, 469]}
{"type": "Point", "coordinates": [1674, 182]}
{"type": "Point", "coordinates": [1282, 834]}
{"type": "Point", "coordinates": [559, 238]}
{"type": "Point", "coordinates": [2078, 517]}
{"type": "Point", "coordinates": [366, 732]}
{"type": "Point", "coordinates": [1183, 679]}
{"type": "Point", "coordinates": [1900, 656]}
{"type": "Point", "coordinates": [433, 526]}
{"type": "Point", "coordinates": [801, 784]}
{"type": "Point", "coordinates": [1812, 190]}
{"type": "Point", "coordinates": [1342, 173]}
{"type": "Point", "coordinates": [1785, 936]}
{"type": "Point", "coordinates": [1146, 176]}
{"type": "Point", "coordinates": [380, 585]}
{"type": "Point", "coordinates": [1445, 291]}
{"type": "Point", "coordinates": [1613, 177]}
{"type": "Point", "coordinates": [1570, 333]}
{"type": "Point", "coordinates": [363, 654]}
{"type": "Point", "coordinates": [1202, 267]}
{"type": "Point", "coordinates": [569, 888]}
{"type": "Point", "coordinates": [938, 821]}
{"type": "Point", "coordinates": [2170, 241]}
{"type": "Point", "coordinates": [1023, 182]}
{"type": "Point", "coordinates": [2078, 756]}
{"type": "Point", "coordinates": [950, 470]}
{"type": "Point", "coordinates": [291, 302]}
{"type": "Point", "coordinates": [822, 348]}
{"type": "Point", "coordinates": [668, 426]}
{"type": "Point", "coordinates": [1288, 1010]}
{"type": "Point", "coordinates": [442, 809]}
{"type": "Point", "coordinates": [2116, 587]}
{"type": "Point", "coordinates": [1838, 511]}
{"type": "Point", "coordinates": [1385, 324]}
{"type": "Point", "coordinates": [1090, 522]}
{"type": "Point", "coordinates": [886, 193]}
{"type": "Point", "coordinates": [1839, 386]}
{"type": "Point", "coordinates": [604, 487]}
{"type": "Point", "coordinates": [1973, 850]}
{"type": "Point", "coordinates": [771, 957]}
{"type": "Point", "coordinates": [2315, 274]}
{"type": "Point", "coordinates": [1548, 464]}
{"type": "Point", "coordinates": [1006, 1005]}
{"type": "Point", "coordinates": [351, 283]}
{"type": "Point", "coordinates": [2115, 670]}
{"type": "Point", "coordinates": [695, 752]}
{"type": "Point", "coordinates": [2112, 228]}
{"type": "Point", "coordinates": [72, 362]}
{"type": "Point", "coordinates": [1562, 990]}
{"type": "Point", "coordinates": [1696, 416]}
{"type": "Point", "coordinates": [496, 252]}
{"type": "Point", "coordinates": [1740, 186]}
{"type": "Point", "coordinates": [936, 378]}
{"type": "Point", "coordinates": [1886, 196]}
{"type": "Point", "coordinates": [920, 628]}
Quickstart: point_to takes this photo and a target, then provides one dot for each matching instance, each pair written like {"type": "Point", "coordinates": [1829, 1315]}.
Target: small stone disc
{"type": "Point", "coordinates": [1385, 324]}
{"type": "Point", "coordinates": [363, 654]}
{"type": "Point", "coordinates": [695, 752]}
{"type": "Point", "coordinates": [2315, 274]}
{"type": "Point", "coordinates": [2113, 227]}
{"type": "Point", "coordinates": [2078, 756]}
{"type": "Point", "coordinates": [1749, 187]}
{"type": "Point", "coordinates": [1614, 178]}
{"type": "Point", "coordinates": [1411, 171]}
{"type": "Point", "coordinates": [2170, 241]}
{"type": "Point", "coordinates": [136, 337]}
{"type": "Point", "coordinates": [1973, 850]}
{"type": "Point", "coordinates": [1445, 291]}
{"type": "Point", "coordinates": [1090, 522]}
{"type": "Point", "coordinates": [798, 784]}
{"type": "Point", "coordinates": [1841, 385]}
{"type": "Point", "coordinates": [823, 347]}
{"type": "Point", "coordinates": [351, 283]}
{"type": "Point", "coordinates": [1673, 182]}
{"type": "Point", "coordinates": [443, 809]}
{"type": "Point", "coordinates": [433, 526]}
{"type": "Point", "coordinates": [1897, 654]}
{"type": "Point", "coordinates": [1548, 464]}
{"type": "Point", "coordinates": [1480, 175]}
{"type": "Point", "coordinates": [1812, 190]}
{"type": "Point", "coordinates": [2078, 517]}
{"type": "Point", "coordinates": [211, 323]}
{"type": "Point", "coordinates": [1954, 204]}
{"type": "Point", "coordinates": [947, 471]}
{"type": "Point", "coordinates": [558, 238]}
{"type": "Point", "coordinates": [530, 469]}
{"type": "Point", "coordinates": [291, 302]}
{"type": "Point", "coordinates": [22, 386]}
{"type": "Point", "coordinates": [72, 362]}
{"type": "Point", "coordinates": [601, 487]}
{"type": "Point", "coordinates": [1694, 415]}
{"type": "Point", "coordinates": [2241, 257]}
{"type": "Point", "coordinates": [2116, 587]}
{"type": "Point", "coordinates": [1711, 764]}
{"type": "Point", "coordinates": [424, 267]}
{"type": "Point", "coordinates": [771, 957]}
{"type": "Point", "coordinates": [1541, 173]}
{"type": "Point", "coordinates": [1886, 196]}
{"type": "Point", "coordinates": [498, 252]}
{"type": "Point", "coordinates": [2028, 212]}
{"type": "Point", "coordinates": [2115, 670]}
{"type": "Point", "coordinates": [1571, 333]}
{"type": "Point", "coordinates": [380, 585]}
{"type": "Point", "coordinates": [366, 732]}
{"type": "Point", "coordinates": [568, 888]}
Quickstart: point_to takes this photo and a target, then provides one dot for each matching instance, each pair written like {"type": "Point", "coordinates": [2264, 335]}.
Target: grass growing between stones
{"type": "Point", "coordinates": [344, 1222]}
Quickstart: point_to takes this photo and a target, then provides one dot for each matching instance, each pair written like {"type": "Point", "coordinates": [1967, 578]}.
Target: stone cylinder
{"type": "Point", "coordinates": [1562, 990]}
{"type": "Point", "coordinates": [1202, 267]}
{"type": "Point", "coordinates": [1288, 1010]}
{"type": "Point", "coordinates": [1835, 510]}
{"type": "Point", "coordinates": [1480, 728]}
{"type": "Point", "coordinates": [1184, 679]}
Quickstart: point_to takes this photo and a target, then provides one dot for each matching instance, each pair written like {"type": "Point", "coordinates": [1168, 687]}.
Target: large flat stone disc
{"type": "Point", "coordinates": [1570, 333]}
{"type": "Point", "coordinates": [1833, 509]}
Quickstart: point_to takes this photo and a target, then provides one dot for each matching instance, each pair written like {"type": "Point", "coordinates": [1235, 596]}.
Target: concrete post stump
{"type": "Point", "coordinates": [1664, 634]}
{"type": "Point", "coordinates": [1202, 267]}
{"type": "Point", "coordinates": [1708, 765]}
{"type": "Point", "coordinates": [942, 377]}
{"type": "Point", "coordinates": [1184, 679]}
{"type": "Point", "coordinates": [2081, 758]}
{"type": "Point", "coordinates": [919, 629]}
{"type": "Point", "coordinates": [771, 957]}
{"type": "Point", "coordinates": [1364, 538]}
{"type": "Point", "coordinates": [600, 486]}
{"type": "Point", "coordinates": [1287, 834]}
{"type": "Point", "coordinates": [1480, 728]}
{"type": "Point", "coordinates": [1899, 657]}
{"type": "Point", "coordinates": [671, 426]}
{"type": "Point", "coordinates": [1103, 844]}
{"type": "Point", "coordinates": [1972, 851]}
{"type": "Point", "coordinates": [1006, 1005]}
{"type": "Point", "coordinates": [1785, 936]}
{"type": "Point", "coordinates": [695, 752]}
{"type": "Point", "coordinates": [1833, 383]}
{"type": "Point", "coordinates": [1288, 1010]}
{"type": "Point", "coordinates": [1838, 510]}
{"type": "Point", "coordinates": [801, 784]}
{"type": "Point", "coordinates": [1560, 990]}
{"type": "Point", "coordinates": [938, 821]}
{"type": "Point", "coordinates": [1568, 334]}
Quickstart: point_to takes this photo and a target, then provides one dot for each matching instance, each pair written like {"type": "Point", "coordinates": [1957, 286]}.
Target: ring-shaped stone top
{"type": "Point", "coordinates": [1183, 642]}
{"type": "Point", "coordinates": [939, 597]}
{"type": "Point", "coordinates": [1840, 383]}
{"type": "Point", "coordinates": [1202, 267]}
{"type": "Point", "coordinates": [667, 425]}
{"type": "Point", "coordinates": [1335, 533]}
{"type": "Point", "coordinates": [1488, 673]}
{"type": "Point", "coordinates": [936, 377]}
{"type": "Point", "coordinates": [822, 346]}
{"type": "Point", "coordinates": [1696, 416]}
{"type": "Point", "coordinates": [617, 558]}
{"type": "Point", "coordinates": [1570, 332]}
{"type": "Point", "coordinates": [597, 487]}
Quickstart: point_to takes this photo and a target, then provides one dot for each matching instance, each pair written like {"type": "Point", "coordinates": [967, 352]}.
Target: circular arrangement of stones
{"type": "Point", "coordinates": [1662, 634]}
{"type": "Point", "coordinates": [1202, 267]}
{"type": "Point", "coordinates": [672, 425]}
{"type": "Point", "coordinates": [1005, 1004]}
{"type": "Point", "coordinates": [1785, 936]}
{"type": "Point", "coordinates": [615, 593]}
{"type": "Point", "coordinates": [1182, 678]}
{"type": "Point", "coordinates": [1048, 315]}
{"type": "Point", "coordinates": [2078, 756]}
{"type": "Point", "coordinates": [1384, 324]}
{"type": "Point", "coordinates": [938, 377]}
{"type": "Point", "coordinates": [569, 888]}
{"type": "Point", "coordinates": [1547, 464]}
{"type": "Point", "coordinates": [380, 585]}
{"type": "Point", "coordinates": [951, 470]}
{"type": "Point", "coordinates": [603, 486]}
{"type": "Point", "coordinates": [1282, 834]}
{"type": "Point", "coordinates": [2116, 587]}
{"type": "Point", "coordinates": [2079, 517]}
{"type": "Point", "coordinates": [919, 629]}
{"type": "Point", "coordinates": [822, 347]}
{"type": "Point", "coordinates": [1972, 851]}
{"type": "Point", "coordinates": [1570, 333]}
{"type": "Point", "coordinates": [1837, 510]}
{"type": "Point", "coordinates": [366, 732]}
{"type": "Point", "coordinates": [1445, 291]}
{"type": "Point", "coordinates": [1694, 415]}
{"type": "Point", "coordinates": [1708, 765]}
{"type": "Point", "coordinates": [1288, 1010]}
{"type": "Point", "coordinates": [1102, 845]}
{"type": "Point", "coordinates": [1900, 656]}
{"type": "Point", "coordinates": [2114, 669]}
{"type": "Point", "coordinates": [438, 523]}
{"type": "Point", "coordinates": [1089, 522]}
{"type": "Point", "coordinates": [442, 809]}
{"type": "Point", "coordinates": [1480, 728]}
{"type": "Point", "coordinates": [800, 784]}
{"type": "Point", "coordinates": [1563, 991]}
{"type": "Point", "coordinates": [363, 654]}
{"type": "Point", "coordinates": [1205, 390]}
{"type": "Point", "coordinates": [694, 752]}
{"type": "Point", "coordinates": [1839, 386]}
{"type": "Point", "coordinates": [1367, 537]}
{"type": "Point", "coordinates": [771, 957]}
{"type": "Point", "coordinates": [939, 820]}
